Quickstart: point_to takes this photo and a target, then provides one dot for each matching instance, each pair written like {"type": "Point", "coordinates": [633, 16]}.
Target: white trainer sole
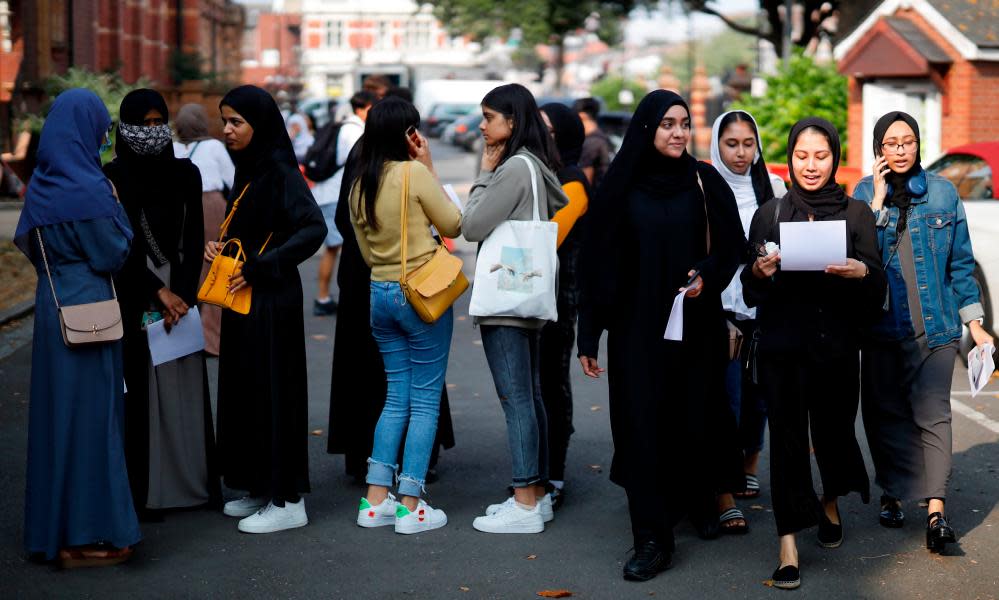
{"type": "Point", "coordinates": [272, 528]}
{"type": "Point", "coordinates": [379, 521]}
{"type": "Point", "coordinates": [509, 528]}
{"type": "Point", "coordinates": [241, 513]}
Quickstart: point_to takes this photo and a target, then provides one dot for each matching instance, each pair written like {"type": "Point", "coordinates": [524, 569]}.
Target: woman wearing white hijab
{"type": "Point", "coordinates": [735, 153]}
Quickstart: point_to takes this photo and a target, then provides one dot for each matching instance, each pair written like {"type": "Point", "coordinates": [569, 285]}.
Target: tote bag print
{"type": "Point", "coordinates": [515, 273]}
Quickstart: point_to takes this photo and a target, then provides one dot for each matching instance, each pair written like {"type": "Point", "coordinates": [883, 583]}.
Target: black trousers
{"type": "Point", "coordinates": [807, 395]}
{"type": "Point", "coordinates": [557, 344]}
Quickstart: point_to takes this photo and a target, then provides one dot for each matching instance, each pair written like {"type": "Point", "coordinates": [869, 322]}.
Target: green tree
{"type": "Point", "coordinates": [609, 89]}
{"type": "Point", "coordinates": [539, 21]}
{"type": "Point", "coordinates": [802, 89]}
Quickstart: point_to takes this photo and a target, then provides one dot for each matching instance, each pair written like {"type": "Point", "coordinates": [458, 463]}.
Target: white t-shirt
{"type": "Point", "coordinates": [212, 159]}
{"type": "Point", "coordinates": [328, 192]}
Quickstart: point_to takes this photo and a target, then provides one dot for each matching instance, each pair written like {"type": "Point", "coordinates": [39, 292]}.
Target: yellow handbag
{"type": "Point", "coordinates": [435, 285]}
{"type": "Point", "coordinates": [215, 289]}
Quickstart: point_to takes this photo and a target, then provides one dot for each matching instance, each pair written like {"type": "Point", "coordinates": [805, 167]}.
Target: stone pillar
{"type": "Point", "coordinates": [667, 80]}
{"type": "Point", "coordinates": [699, 88]}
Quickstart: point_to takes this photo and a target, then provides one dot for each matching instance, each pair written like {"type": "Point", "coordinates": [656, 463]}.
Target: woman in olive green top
{"type": "Point", "coordinates": [415, 353]}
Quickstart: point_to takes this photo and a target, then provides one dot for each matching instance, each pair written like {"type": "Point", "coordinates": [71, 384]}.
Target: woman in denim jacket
{"type": "Point", "coordinates": [908, 360]}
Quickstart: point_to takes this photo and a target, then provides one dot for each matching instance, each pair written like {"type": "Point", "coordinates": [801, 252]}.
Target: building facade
{"type": "Point", "coordinates": [344, 40]}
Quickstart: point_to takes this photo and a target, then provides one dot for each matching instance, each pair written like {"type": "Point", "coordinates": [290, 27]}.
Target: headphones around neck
{"type": "Point", "coordinates": [916, 185]}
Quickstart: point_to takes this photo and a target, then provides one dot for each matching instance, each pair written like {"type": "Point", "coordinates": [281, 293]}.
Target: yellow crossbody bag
{"type": "Point", "coordinates": [215, 289]}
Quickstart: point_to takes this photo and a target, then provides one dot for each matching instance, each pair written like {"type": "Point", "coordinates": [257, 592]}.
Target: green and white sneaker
{"type": "Point", "coordinates": [424, 518]}
{"type": "Point", "coordinates": [377, 516]}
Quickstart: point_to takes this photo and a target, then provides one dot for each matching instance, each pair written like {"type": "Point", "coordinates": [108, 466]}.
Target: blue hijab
{"type": "Point", "coordinates": [68, 184]}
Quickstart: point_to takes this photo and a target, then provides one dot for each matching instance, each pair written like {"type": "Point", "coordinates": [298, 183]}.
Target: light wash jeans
{"type": "Point", "coordinates": [415, 356]}
{"type": "Point", "coordinates": [514, 357]}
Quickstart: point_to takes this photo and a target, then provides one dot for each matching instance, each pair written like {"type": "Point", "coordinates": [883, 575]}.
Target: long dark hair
{"type": "Point", "coordinates": [516, 103]}
{"type": "Point", "coordinates": [384, 140]}
{"type": "Point", "coordinates": [758, 172]}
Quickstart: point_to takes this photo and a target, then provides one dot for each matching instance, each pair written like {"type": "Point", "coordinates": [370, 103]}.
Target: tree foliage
{"type": "Point", "coordinates": [609, 89]}
{"type": "Point", "coordinates": [801, 89]}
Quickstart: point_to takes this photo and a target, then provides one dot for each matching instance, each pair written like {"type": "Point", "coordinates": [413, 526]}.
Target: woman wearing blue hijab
{"type": "Point", "coordinates": [78, 506]}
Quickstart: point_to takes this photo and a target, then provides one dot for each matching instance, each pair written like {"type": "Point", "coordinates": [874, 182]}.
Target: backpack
{"type": "Point", "coordinates": [320, 159]}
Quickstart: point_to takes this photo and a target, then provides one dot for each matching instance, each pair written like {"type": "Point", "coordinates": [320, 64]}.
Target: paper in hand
{"type": "Point", "coordinates": [453, 196]}
{"type": "Point", "coordinates": [980, 367]}
{"type": "Point", "coordinates": [812, 246]}
{"type": "Point", "coordinates": [674, 327]}
{"type": "Point", "coordinates": [185, 337]}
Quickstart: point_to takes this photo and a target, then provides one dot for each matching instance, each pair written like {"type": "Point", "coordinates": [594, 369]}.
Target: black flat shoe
{"type": "Point", "coordinates": [649, 560]}
{"type": "Point", "coordinates": [891, 515]}
{"type": "Point", "coordinates": [830, 534]}
{"type": "Point", "coordinates": [787, 577]}
{"type": "Point", "coordinates": [938, 533]}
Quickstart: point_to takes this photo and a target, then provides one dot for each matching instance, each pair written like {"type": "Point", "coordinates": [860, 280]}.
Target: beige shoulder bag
{"type": "Point", "coordinates": [90, 323]}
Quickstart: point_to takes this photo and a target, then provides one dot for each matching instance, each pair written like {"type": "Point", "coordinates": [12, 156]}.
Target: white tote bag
{"type": "Point", "coordinates": [517, 267]}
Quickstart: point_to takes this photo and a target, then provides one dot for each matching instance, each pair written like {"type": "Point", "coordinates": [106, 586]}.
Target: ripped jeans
{"type": "Point", "coordinates": [415, 356]}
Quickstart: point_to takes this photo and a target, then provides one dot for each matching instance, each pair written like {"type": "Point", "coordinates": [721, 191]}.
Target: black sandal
{"type": "Point", "coordinates": [729, 516]}
{"type": "Point", "coordinates": [752, 488]}
{"type": "Point", "coordinates": [938, 533]}
{"type": "Point", "coordinates": [891, 515]}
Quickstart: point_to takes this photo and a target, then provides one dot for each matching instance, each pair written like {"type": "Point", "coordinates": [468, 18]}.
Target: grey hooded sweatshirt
{"type": "Point", "coordinates": [505, 195]}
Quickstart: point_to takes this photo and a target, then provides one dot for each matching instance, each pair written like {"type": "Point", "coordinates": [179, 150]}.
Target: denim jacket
{"type": "Point", "coordinates": [944, 263]}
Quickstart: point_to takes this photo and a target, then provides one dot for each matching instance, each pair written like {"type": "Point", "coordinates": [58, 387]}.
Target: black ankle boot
{"type": "Point", "coordinates": [650, 559]}
{"type": "Point", "coordinates": [938, 533]}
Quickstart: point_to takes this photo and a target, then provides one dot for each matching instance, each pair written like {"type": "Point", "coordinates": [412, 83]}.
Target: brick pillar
{"type": "Point", "coordinates": [699, 88]}
{"type": "Point", "coordinates": [667, 80]}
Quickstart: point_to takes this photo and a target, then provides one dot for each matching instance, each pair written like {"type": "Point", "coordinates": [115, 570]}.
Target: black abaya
{"type": "Point", "coordinates": [263, 382]}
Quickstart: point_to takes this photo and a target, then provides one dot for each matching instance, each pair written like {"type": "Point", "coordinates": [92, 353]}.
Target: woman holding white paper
{"type": "Point", "coordinates": [908, 359]}
{"type": "Point", "coordinates": [810, 324]}
{"type": "Point", "coordinates": [169, 442]}
{"type": "Point", "coordinates": [663, 224]}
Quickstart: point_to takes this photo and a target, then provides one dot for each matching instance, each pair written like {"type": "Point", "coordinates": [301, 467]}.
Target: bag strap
{"type": "Point", "coordinates": [45, 260]}
{"type": "Point", "coordinates": [404, 200]}
{"type": "Point", "coordinates": [224, 229]}
{"type": "Point", "coordinates": [191, 153]}
{"type": "Point", "coordinates": [534, 185]}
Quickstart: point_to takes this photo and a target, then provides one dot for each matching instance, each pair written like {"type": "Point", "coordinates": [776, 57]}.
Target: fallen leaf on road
{"type": "Point", "coordinates": [594, 408]}
{"type": "Point", "coordinates": [464, 589]}
{"type": "Point", "coordinates": [463, 318]}
{"type": "Point", "coordinates": [477, 342]}
{"type": "Point", "coordinates": [596, 468]}
{"type": "Point", "coordinates": [768, 582]}
{"type": "Point", "coordinates": [317, 432]}
{"type": "Point", "coordinates": [555, 593]}
{"type": "Point", "coordinates": [452, 386]}
{"type": "Point", "coordinates": [974, 562]}
{"type": "Point", "coordinates": [531, 556]}
{"type": "Point", "coordinates": [319, 337]}
{"type": "Point", "coordinates": [756, 506]}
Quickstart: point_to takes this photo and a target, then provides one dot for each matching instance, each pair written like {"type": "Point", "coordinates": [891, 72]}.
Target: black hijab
{"type": "Point", "coordinates": [569, 136]}
{"type": "Point", "coordinates": [900, 195]}
{"type": "Point", "coordinates": [270, 142]}
{"type": "Point", "coordinates": [637, 163]}
{"type": "Point", "coordinates": [830, 199]}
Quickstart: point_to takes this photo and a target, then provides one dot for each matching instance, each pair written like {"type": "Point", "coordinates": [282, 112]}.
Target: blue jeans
{"type": "Point", "coordinates": [514, 357]}
{"type": "Point", "coordinates": [415, 356]}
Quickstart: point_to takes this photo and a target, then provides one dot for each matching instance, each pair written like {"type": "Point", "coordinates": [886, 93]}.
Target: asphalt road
{"type": "Point", "coordinates": [199, 553]}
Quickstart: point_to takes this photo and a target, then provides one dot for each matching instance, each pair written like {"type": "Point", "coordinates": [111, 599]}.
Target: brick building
{"type": "Point", "coordinates": [272, 45]}
{"type": "Point", "coordinates": [937, 60]}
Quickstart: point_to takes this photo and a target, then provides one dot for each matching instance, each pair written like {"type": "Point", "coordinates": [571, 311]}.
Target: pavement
{"type": "Point", "coordinates": [200, 554]}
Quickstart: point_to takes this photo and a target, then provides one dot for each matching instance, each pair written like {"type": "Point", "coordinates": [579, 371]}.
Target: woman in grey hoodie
{"type": "Point", "coordinates": [512, 125]}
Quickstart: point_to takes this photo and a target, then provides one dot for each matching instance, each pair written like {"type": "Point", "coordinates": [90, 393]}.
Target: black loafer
{"type": "Point", "coordinates": [830, 534]}
{"type": "Point", "coordinates": [939, 533]}
{"type": "Point", "coordinates": [650, 559]}
{"type": "Point", "coordinates": [891, 515]}
{"type": "Point", "coordinates": [787, 577]}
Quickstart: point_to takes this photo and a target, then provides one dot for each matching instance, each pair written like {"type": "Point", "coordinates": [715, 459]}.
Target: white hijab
{"type": "Point", "coordinates": [742, 185]}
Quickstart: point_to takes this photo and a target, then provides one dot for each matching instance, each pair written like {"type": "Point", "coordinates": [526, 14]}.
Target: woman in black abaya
{"type": "Point", "coordinates": [169, 444]}
{"type": "Point", "coordinates": [263, 384]}
{"type": "Point", "coordinates": [647, 235]}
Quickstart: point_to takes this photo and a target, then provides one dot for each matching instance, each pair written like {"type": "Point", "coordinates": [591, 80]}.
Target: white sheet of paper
{"type": "Point", "coordinates": [453, 196]}
{"type": "Point", "coordinates": [812, 245]}
{"type": "Point", "coordinates": [980, 369]}
{"type": "Point", "coordinates": [674, 327]}
{"type": "Point", "coordinates": [186, 337]}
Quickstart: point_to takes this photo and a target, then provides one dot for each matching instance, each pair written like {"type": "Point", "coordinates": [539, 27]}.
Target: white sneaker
{"type": "Point", "coordinates": [545, 502]}
{"type": "Point", "coordinates": [244, 507]}
{"type": "Point", "coordinates": [512, 520]}
{"type": "Point", "coordinates": [376, 516]}
{"type": "Point", "coordinates": [424, 518]}
{"type": "Point", "coordinates": [276, 518]}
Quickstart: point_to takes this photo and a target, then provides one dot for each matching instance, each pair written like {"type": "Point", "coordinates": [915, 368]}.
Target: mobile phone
{"type": "Point", "coordinates": [693, 278]}
{"type": "Point", "coordinates": [413, 134]}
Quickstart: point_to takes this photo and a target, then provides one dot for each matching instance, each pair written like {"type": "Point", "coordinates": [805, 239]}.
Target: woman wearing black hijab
{"type": "Point", "coordinates": [808, 362]}
{"type": "Point", "coordinates": [558, 338]}
{"type": "Point", "coordinates": [169, 444]}
{"type": "Point", "coordinates": [648, 234]}
{"type": "Point", "coordinates": [263, 384]}
{"type": "Point", "coordinates": [908, 361]}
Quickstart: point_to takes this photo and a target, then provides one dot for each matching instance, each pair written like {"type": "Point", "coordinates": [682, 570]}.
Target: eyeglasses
{"type": "Point", "coordinates": [899, 148]}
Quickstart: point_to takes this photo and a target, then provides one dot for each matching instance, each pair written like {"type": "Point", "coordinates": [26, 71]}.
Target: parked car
{"type": "Point", "coordinates": [972, 168]}
{"type": "Point", "coordinates": [466, 131]}
{"type": "Point", "coordinates": [442, 115]}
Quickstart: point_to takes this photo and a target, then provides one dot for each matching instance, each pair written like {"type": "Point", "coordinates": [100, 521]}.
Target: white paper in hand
{"type": "Point", "coordinates": [674, 327]}
{"type": "Point", "coordinates": [186, 337]}
{"type": "Point", "coordinates": [980, 367]}
{"type": "Point", "coordinates": [812, 246]}
{"type": "Point", "coordinates": [453, 196]}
